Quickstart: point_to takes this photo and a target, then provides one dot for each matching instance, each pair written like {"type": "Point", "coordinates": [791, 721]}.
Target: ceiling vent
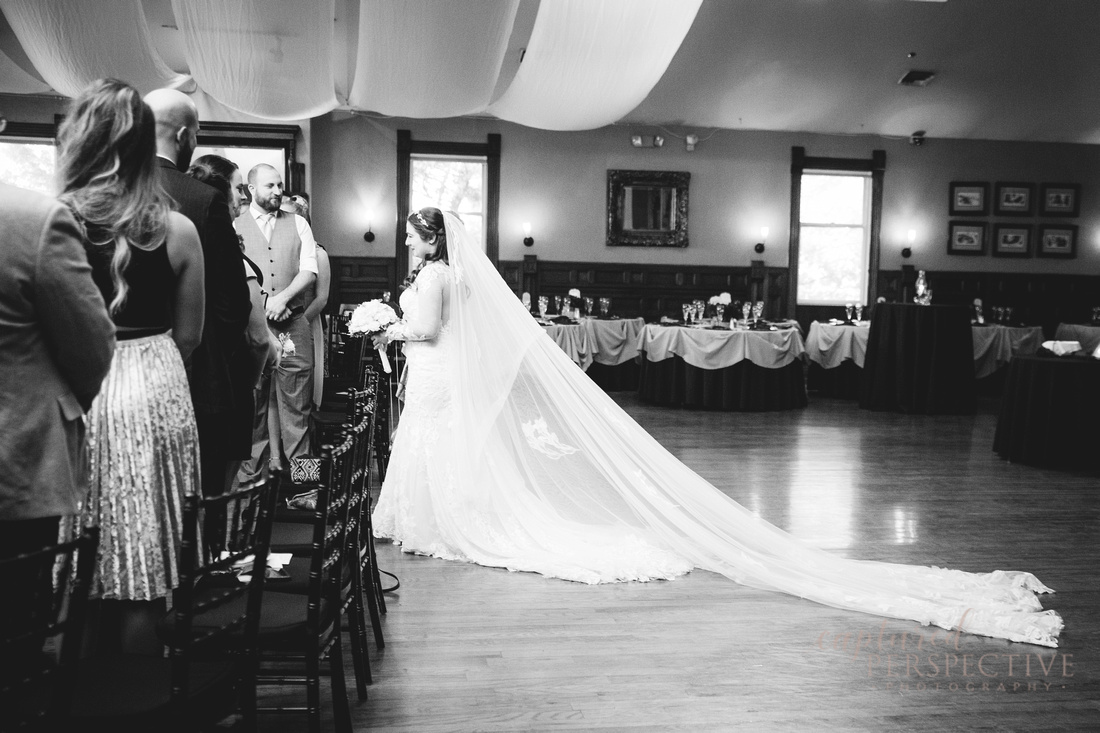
{"type": "Point", "coordinates": [916, 78]}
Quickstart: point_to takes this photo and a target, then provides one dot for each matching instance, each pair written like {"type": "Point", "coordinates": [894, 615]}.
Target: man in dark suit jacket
{"type": "Point", "coordinates": [56, 345]}
{"type": "Point", "coordinates": [227, 298]}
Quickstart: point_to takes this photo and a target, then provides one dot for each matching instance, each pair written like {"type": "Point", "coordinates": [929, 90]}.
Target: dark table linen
{"type": "Point", "coordinates": [744, 386]}
{"type": "Point", "coordinates": [920, 359]}
{"type": "Point", "coordinates": [1050, 412]}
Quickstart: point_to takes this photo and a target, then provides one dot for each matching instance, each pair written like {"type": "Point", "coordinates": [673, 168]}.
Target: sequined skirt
{"type": "Point", "coordinates": [144, 454]}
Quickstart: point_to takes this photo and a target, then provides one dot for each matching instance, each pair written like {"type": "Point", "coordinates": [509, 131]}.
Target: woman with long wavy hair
{"type": "Point", "coordinates": [142, 442]}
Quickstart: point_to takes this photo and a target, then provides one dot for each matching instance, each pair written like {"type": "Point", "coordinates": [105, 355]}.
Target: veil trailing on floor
{"type": "Point", "coordinates": [546, 473]}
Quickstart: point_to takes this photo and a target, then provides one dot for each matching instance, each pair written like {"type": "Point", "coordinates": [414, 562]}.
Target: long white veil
{"type": "Point", "coordinates": [551, 475]}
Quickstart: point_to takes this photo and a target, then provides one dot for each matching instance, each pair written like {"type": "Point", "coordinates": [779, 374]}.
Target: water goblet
{"type": "Point", "coordinates": [746, 309]}
{"type": "Point", "coordinates": [605, 307]}
{"type": "Point", "coordinates": [758, 310]}
{"type": "Point", "coordinates": [848, 312]}
{"type": "Point", "coordinates": [720, 312]}
{"type": "Point", "coordinates": [1008, 315]}
{"type": "Point", "coordinates": [686, 308]}
{"type": "Point", "coordinates": [859, 312]}
{"type": "Point", "coordinates": [589, 306]}
{"type": "Point", "coordinates": [559, 301]}
{"type": "Point", "coordinates": [544, 305]}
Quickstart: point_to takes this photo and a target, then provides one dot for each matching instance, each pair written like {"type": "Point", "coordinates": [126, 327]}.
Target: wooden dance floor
{"type": "Point", "coordinates": [477, 649]}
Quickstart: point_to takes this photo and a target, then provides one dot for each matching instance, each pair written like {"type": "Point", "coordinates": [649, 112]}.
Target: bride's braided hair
{"type": "Point", "coordinates": [428, 223]}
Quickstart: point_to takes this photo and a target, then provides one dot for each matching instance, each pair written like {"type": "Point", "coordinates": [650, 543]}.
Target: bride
{"type": "Point", "coordinates": [507, 455]}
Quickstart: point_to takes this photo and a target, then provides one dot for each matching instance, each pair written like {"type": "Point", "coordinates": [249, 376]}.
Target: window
{"type": "Point", "coordinates": [836, 211]}
{"type": "Point", "coordinates": [29, 164]}
{"type": "Point", "coordinates": [460, 177]}
{"type": "Point", "coordinates": [451, 183]}
{"type": "Point", "coordinates": [834, 238]}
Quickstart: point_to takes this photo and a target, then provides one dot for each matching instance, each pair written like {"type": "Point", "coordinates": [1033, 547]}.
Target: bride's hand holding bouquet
{"type": "Point", "coordinates": [372, 318]}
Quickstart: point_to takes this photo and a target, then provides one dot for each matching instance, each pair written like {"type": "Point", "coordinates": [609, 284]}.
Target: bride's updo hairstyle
{"type": "Point", "coordinates": [428, 223]}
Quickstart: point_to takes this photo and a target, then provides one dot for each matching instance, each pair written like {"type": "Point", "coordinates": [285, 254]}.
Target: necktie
{"type": "Point", "coordinates": [268, 226]}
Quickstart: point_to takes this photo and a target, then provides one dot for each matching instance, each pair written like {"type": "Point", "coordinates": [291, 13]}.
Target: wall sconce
{"type": "Point", "coordinates": [690, 142]}
{"type": "Point", "coordinates": [911, 236]}
{"type": "Point", "coordinates": [759, 248]}
{"type": "Point", "coordinates": [528, 240]}
{"type": "Point", "coordinates": [369, 236]}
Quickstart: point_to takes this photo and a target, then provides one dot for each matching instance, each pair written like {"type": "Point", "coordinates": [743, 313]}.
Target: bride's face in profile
{"type": "Point", "coordinates": [419, 246]}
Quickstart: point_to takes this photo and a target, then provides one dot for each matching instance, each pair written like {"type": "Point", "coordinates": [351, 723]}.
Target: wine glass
{"type": "Point", "coordinates": [746, 309]}
{"type": "Point", "coordinates": [720, 311]}
{"type": "Point", "coordinates": [1008, 315]}
{"type": "Point", "coordinates": [605, 307]}
{"type": "Point", "coordinates": [686, 308]}
{"type": "Point", "coordinates": [758, 310]}
{"type": "Point", "coordinates": [559, 301]}
{"type": "Point", "coordinates": [544, 305]}
{"type": "Point", "coordinates": [848, 312]}
{"type": "Point", "coordinates": [859, 312]}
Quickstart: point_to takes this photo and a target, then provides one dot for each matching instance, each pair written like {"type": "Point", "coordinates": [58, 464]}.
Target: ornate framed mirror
{"type": "Point", "coordinates": [647, 208]}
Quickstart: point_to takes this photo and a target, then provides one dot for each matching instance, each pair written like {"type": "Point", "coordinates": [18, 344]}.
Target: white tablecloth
{"type": "Point", "coordinates": [994, 346]}
{"type": "Point", "coordinates": [573, 340]}
{"type": "Point", "coordinates": [1087, 336]}
{"type": "Point", "coordinates": [718, 349]}
{"type": "Point", "coordinates": [615, 341]}
{"type": "Point", "coordinates": [830, 345]}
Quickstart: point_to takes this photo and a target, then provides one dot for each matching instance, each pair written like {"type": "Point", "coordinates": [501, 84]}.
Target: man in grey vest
{"type": "Point", "coordinates": [282, 245]}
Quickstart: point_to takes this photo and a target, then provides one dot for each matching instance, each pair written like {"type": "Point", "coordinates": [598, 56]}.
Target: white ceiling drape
{"type": "Point", "coordinates": [590, 63]}
{"type": "Point", "coordinates": [72, 43]}
{"type": "Point", "coordinates": [13, 80]}
{"type": "Point", "coordinates": [267, 58]}
{"type": "Point", "coordinates": [425, 58]}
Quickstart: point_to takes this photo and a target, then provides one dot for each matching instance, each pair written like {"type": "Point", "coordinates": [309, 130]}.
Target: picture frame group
{"type": "Point", "coordinates": [1013, 199]}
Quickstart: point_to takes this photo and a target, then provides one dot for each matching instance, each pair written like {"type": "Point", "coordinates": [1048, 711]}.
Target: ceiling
{"type": "Point", "coordinates": [1021, 70]}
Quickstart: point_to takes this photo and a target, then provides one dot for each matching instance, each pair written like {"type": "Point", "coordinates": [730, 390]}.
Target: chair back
{"type": "Point", "coordinates": [213, 582]}
{"type": "Point", "coordinates": [41, 633]}
{"type": "Point", "coordinates": [330, 528]}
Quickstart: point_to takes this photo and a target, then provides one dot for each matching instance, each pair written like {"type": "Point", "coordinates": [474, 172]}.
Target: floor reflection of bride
{"type": "Point", "coordinates": [507, 455]}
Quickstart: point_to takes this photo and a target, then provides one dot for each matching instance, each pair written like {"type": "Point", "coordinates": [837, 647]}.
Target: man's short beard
{"type": "Point", "coordinates": [267, 205]}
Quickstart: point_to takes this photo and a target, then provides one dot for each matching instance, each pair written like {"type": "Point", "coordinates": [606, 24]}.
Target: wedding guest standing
{"type": "Point", "coordinates": [282, 244]}
{"type": "Point", "coordinates": [56, 342]}
{"type": "Point", "coordinates": [143, 444]}
{"type": "Point", "coordinates": [216, 396]}
{"type": "Point", "coordinates": [316, 298]}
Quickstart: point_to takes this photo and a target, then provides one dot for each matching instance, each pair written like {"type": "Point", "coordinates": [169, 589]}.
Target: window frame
{"type": "Point", "coordinates": [489, 150]}
{"type": "Point", "coordinates": [865, 225]}
{"type": "Point", "coordinates": [800, 163]}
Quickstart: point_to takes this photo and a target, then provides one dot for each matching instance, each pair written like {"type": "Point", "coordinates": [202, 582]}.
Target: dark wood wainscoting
{"type": "Point", "coordinates": [1036, 299]}
{"type": "Point", "coordinates": [356, 279]}
{"type": "Point", "coordinates": [649, 291]}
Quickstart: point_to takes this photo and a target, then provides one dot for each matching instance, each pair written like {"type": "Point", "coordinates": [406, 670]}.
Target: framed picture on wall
{"type": "Point", "coordinates": [1011, 240]}
{"type": "Point", "coordinates": [1057, 240]}
{"type": "Point", "coordinates": [966, 238]}
{"type": "Point", "coordinates": [969, 198]}
{"type": "Point", "coordinates": [1060, 199]}
{"type": "Point", "coordinates": [1013, 199]}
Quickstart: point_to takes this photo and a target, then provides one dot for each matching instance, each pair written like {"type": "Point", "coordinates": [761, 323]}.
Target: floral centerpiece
{"type": "Point", "coordinates": [372, 318]}
{"type": "Point", "coordinates": [720, 302]}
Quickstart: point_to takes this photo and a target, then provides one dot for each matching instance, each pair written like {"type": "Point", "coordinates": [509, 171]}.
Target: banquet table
{"type": "Point", "coordinates": [722, 369]}
{"type": "Point", "coordinates": [1088, 336]}
{"type": "Point", "coordinates": [606, 348]}
{"type": "Point", "coordinates": [837, 352]}
{"type": "Point", "coordinates": [920, 359]}
{"type": "Point", "coordinates": [1049, 412]}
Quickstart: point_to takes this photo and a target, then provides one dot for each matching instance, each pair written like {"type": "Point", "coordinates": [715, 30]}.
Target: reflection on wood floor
{"type": "Point", "coordinates": [471, 648]}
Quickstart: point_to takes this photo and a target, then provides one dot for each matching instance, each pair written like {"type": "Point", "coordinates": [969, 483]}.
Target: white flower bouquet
{"type": "Point", "coordinates": [724, 298]}
{"type": "Point", "coordinates": [372, 318]}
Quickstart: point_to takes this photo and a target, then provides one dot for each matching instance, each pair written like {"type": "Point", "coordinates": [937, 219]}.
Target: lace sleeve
{"type": "Point", "coordinates": [427, 316]}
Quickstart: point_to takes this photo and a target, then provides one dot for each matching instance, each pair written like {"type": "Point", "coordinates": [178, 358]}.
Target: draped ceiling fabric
{"type": "Point", "coordinates": [72, 43]}
{"type": "Point", "coordinates": [268, 58]}
{"type": "Point", "coordinates": [590, 63]}
{"type": "Point", "coordinates": [13, 80]}
{"type": "Point", "coordinates": [424, 58]}
{"type": "Point", "coordinates": [587, 63]}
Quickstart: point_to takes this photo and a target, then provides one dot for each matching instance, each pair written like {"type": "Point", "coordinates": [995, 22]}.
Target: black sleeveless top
{"type": "Point", "coordinates": [151, 284]}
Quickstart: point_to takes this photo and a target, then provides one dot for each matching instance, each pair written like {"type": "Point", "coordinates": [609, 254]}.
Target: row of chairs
{"type": "Point", "coordinates": [233, 627]}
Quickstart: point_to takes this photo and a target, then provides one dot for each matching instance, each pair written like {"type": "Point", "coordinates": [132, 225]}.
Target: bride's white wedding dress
{"type": "Point", "coordinates": [507, 455]}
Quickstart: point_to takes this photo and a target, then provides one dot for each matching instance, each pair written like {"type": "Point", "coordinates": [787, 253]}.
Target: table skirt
{"type": "Point", "coordinates": [618, 378]}
{"type": "Point", "coordinates": [1049, 413]}
{"type": "Point", "coordinates": [742, 387]}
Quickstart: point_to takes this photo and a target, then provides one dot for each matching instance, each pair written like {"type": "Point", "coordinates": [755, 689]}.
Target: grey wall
{"type": "Point", "coordinates": [740, 181]}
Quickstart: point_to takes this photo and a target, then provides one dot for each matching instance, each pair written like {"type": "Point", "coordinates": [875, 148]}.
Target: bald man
{"type": "Point", "coordinates": [227, 297]}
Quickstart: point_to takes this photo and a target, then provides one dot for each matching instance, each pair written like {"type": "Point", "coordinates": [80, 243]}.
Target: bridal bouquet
{"type": "Point", "coordinates": [372, 318]}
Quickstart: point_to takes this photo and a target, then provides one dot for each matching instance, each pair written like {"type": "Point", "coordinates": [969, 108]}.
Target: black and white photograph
{"type": "Point", "coordinates": [538, 366]}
